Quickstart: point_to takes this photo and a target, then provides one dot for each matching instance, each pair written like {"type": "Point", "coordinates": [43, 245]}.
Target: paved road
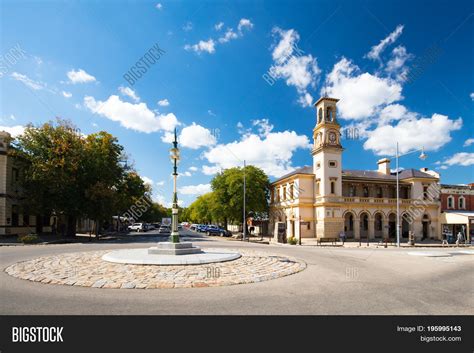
{"type": "Point", "coordinates": [336, 281]}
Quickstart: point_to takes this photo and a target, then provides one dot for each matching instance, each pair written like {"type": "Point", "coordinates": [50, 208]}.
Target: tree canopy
{"type": "Point", "coordinates": [225, 202]}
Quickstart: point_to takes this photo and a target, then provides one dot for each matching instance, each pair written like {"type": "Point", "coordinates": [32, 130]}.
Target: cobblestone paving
{"type": "Point", "coordinates": [87, 269]}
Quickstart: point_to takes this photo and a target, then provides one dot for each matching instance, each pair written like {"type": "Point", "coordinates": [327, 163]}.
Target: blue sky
{"type": "Point", "coordinates": [402, 71]}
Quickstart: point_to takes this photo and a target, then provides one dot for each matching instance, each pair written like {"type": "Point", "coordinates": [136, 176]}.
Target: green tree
{"type": "Point", "coordinates": [227, 187]}
{"type": "Point", "coordinates": [53, 170]}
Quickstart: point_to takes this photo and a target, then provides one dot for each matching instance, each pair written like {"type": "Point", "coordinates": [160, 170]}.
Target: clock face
{"type": "Point", "coordinates": [332, 137]}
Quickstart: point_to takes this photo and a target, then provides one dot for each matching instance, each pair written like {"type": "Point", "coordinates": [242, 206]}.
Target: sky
{"type": "Point", "coordinates": [237, 79]}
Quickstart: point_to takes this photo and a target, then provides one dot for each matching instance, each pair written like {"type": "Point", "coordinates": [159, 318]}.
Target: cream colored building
{"type": "Point", "coordinates": [321, 200]}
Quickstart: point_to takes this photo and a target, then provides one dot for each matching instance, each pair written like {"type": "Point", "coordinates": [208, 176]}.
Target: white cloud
{"type": "Point", "coordinates": [264, 126]}
{"type": "Point", "coordinates": [361, 94]}
{"type": "Point", "coordinates": [396, 67]}
{"type": "Point", "coordinates": [193, 169]}
{"type": "Point", "coordinates": [131, 116]}
{"type": "Point", "coordinates": [80, 76]}
{"type": "Point", "coordinates": [229, 35]}
{"type": "Point", "coordinates": [376, 50]}
{"type": "Point", "coordinates": [203, 46]}
{"type": "Point", "coordinates": [163, 103]}
{"type": "Point", "coordinates": [13, 130]}
{"type": "Point", "coordinates": [209, 46]}
{"type": "Point", "coordinates": [35, 85]}
{"type": "Point", "coordinates": [272, 153]}
{"type": "Point", "coordinates": [185, 174]}
{"type": "Point", "coordinates": [298, 70]}
{"type": "Point", "coordinates": [463, 159]}
{"type": "Point", "coordinates": [472, 96]}
{"type": "Point", "coordinates": [468, 142]}
{"type": "Point", "coordinates": [127, 91]}
{"type": "Point", "coordinates": [430, 133]}
{"type": "Point", "coordinates": [66, 94]}
{"type": "Point", "coordinates": [393, 112]}
{"type": "Point", "coordinates": [195, 189]}
{"type": "Point", "coordinates": [210, 170]}
{"type": "Point", "coordinates": [244, 23]}
{"type": "Point", "coordinates": [147, 180]}
{"type": "Point", "coordinates": [160, 183]}
{"type": "Point", "coordinates": [196, 136]}
{"type": "Point", "coordinates": [211, 113]}
{"type": "Point", "coordinates": [159, 6]}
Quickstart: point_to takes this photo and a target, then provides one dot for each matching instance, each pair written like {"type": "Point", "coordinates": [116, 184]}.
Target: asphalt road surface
{"type": "Point", "coordinates": [336, 281]}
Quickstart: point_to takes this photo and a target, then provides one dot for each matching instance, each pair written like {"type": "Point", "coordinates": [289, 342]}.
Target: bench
{"type": "Point", "coordinates": [319, 241]}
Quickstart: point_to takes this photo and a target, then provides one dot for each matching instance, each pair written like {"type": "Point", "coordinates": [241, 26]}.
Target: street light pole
{"type": "Point", "coordinates": [174, 155]}
{"type": "Point", "coordinates": [244, 224]}
{"type": "Point", "coordinates": [397, 156]}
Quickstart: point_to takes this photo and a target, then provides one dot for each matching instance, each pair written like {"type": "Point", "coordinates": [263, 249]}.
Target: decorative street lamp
{"type": "Point", "coordinates": [174, 155]}
{"type": "Point", "coordinates": [422, 156]}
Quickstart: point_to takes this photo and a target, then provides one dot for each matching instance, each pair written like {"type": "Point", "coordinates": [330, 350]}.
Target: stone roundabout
{"type": "Point", "coordinates": [87, 269]}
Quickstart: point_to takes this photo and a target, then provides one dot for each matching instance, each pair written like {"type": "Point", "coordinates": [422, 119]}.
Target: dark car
{"type": "Point", "coordinates": [218, 231]}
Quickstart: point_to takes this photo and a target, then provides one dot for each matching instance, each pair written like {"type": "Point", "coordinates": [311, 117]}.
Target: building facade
{"type": "Point", "coordinates": [14, 216]}
{"type": "Point", "coordinates": [321, 200]}
{"type": "Point", "coordinates": [457, 211]}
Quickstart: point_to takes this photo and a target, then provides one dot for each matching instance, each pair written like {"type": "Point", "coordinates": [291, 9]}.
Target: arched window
{"type": "Point", "coordinates": [333, 187]}
{"type": "Point", "coordinates": [461, 203]}
{"type": "Point", "coordinates": [450, 201]}
{"type": "Point", "coordinates": [328, 114]}
{"type": "Point", "coordinates": [320, 115]}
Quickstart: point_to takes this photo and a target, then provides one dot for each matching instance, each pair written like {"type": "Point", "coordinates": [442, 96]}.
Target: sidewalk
{"type": "Point", "coordinates": [312, 242]}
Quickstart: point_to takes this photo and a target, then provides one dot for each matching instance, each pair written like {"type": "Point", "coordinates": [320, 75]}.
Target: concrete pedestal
{"type": "Point", "coordinates": [168, 248]}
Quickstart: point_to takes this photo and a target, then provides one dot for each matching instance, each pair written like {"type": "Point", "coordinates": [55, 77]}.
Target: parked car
{"type": "Point", "coordinates": [164, 229]}
{"type": "Point", "coordinates": [201, 228]}
{"type": "Point", "coordinates": [151, 226]}
{"type": "Point", "coordinates": [137, 227]}
{"type": "Point", "coordinates": [193, 226]}
{"type": "Point", "coordinates": [218, 231]}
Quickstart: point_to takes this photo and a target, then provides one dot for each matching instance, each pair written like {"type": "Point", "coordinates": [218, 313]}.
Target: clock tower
{"type": "Point", "coordinates": [327, 168]}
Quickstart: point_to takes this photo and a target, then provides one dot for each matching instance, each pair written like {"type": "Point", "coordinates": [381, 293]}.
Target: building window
{"type": "Point", "coordinates": [332, 164]}
{"type": "Point", "coordinates": [450, 201]}
{"type": "Point", "coordinates": [316, 187]}
{"type": "Point", "coordinates": [318, 165]}
{"type": "Point", "coordinates": [328, 114]}
{"type": "Point", "coordinates": [26, 219]}
{"type": "Point", "coordinates": [461, 203]}
{"type": "Point", "coordinates": [352, 190]}
{"type": "Point", "coordinates": [14, 175]}
{"type": "Point", "coordinates": [425, 192]}
{"type": "Point", "coordinates": [379, 192]}
{"type": "Point", "coordinates": [320, 115]}
{"type": "Point", "coordinates": [15, 216]}
{"type": "Point", "coordinates": [333, 187]}
{"type": "Point", "coordinates": [284, 193]}
{"type": "Point", "coordinates": [366, 191]}
{"type": "Point", "coordinates": [291, 191]}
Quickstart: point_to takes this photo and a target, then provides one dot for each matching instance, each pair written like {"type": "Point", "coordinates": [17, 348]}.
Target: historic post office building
{"type": "Point", "coordinates": [324, 199]}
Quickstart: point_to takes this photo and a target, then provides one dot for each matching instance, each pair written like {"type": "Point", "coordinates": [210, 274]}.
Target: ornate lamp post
{"type": "Point", "coordinates": [174, 155]}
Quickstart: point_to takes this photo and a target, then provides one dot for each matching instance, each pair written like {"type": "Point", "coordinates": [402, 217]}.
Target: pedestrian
{"type": "Point", "coordinates": [342, 236]}
{"type": "Point", "coordinates": [459, 239]}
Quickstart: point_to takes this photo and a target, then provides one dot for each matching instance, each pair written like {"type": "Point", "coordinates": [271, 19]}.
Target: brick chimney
{"type": "Point", "coordinates": [384, 166]}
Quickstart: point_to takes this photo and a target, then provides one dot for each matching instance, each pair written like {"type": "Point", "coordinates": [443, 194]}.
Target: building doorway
{"type": "Point", "coordinates": [392, 225]}
{"type": "Point", "coordinates": [378, 225]}
{"type": "Point", "coordinates": [349, 225]}
{"type": "Point", "coordinates": [425, 227]}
